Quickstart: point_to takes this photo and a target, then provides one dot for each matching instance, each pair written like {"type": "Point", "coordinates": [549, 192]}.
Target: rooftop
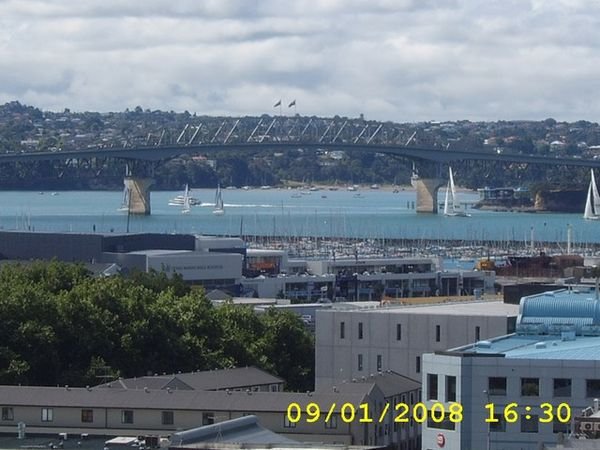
{"type": "Point", "coordinates": [562, 324]}
{"type": "Point", "coordinates": [470, 308]}
{"type": "Point", "coordinates": [207, 380]}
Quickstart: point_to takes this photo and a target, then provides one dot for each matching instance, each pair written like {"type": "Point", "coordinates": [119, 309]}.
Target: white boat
{"type": "Point", "coordinates": [592, 202]}
{"type": "Point", "coordinates": [186, 201]}
{"type": "Point", "coordinates": [180, 199]}
{"type": "Point", "coordinates": [451, 204]}
{"type": "Point", "coordinates": [219, 206]}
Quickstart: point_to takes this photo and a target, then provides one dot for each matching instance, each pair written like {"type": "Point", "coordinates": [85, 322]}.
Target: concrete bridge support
{"type": "Point", "coordinates": [427, 192]}
{"type": "Point", "coordinates": [139, 195]}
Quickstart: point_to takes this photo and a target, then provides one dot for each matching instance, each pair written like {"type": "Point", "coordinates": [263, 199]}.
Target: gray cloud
{"type": "Point", "coordinates": [402, 60]}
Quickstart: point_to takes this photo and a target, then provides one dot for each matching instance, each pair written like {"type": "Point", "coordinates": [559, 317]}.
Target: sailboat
{"type": "Point", "coordinates": [186, 201]}
{"type": "Point", "coordinates": [125, 203]}
{"type": "Point", "coordinates": [451, 203]}
{"type": "Point", "coordinates": [219, 207]}
{"type": "Point", "coordinates": [592, 202]}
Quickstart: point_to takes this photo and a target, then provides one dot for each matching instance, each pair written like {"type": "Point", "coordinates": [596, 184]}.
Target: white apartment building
{"type": "Point", "coordinates": [553, 359]}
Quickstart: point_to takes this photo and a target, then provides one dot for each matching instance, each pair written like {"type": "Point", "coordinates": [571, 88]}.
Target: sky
{"type": "Point", "coordinates": [397, 60]}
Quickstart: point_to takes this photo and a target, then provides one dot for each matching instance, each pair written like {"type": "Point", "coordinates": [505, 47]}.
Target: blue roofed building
{"type": "Point", "coordinates": [519, 390]}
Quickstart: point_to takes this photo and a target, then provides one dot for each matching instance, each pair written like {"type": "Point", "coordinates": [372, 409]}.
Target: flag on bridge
{"type": "Point", "coordinates": [292, 104]}
{"type": "Point", "coordinates": [277, 104]}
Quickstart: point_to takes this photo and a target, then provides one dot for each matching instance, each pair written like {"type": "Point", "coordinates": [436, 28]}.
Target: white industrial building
{"type": "Point", "coordinates": [553, 358]}
{"type": "Point", "coordinates": [356, 341]}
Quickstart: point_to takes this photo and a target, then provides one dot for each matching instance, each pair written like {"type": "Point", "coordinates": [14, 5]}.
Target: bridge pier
{"type": "Point", "coordinates": [139, 195]}
{"type": "Point", "coordinates": [427, 193]}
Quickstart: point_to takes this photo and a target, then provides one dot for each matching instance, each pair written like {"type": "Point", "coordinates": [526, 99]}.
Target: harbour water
{"type": "Point", "coordinates": [376, 214]}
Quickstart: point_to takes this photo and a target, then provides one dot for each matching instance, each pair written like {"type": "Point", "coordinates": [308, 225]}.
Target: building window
{"type": "Point", "coordinates": [331, 424]}
{"type": "Point", "coordinates": [432, 386]}
{"type": "Point", "coordinates": [446, 424]}
{"type": "Point", "coordinates": [562, 387]}
{"type": "Point", "coordinates": [592, 388]}
{"type": "Point", "coordinates": [8, 413]}
{"type": "Point", "coordinates": [274, 388]}
{"type": "Point", "coordinates": [398, 331]}
{"type": "Point", "coordinates": [168, 418]}
{"type": "Point", "coordinates": [379, 363]}
{"type": "Point", "coordinates": [360, 330]}
{"type": "Point", "coordinates": [342, 330]}
{"type": "Point", "coordinates": [287, 423]}
{"type": "Point", "coordinates": [438, 333]}
{"type": "Point", "coordinates": [559, 427]}
{"type": "Point", "coordinates": [418, 364]}
{"type": "Point", "coordinates": [477, 333]}
{"type": "Point", "coordinates": [450, 388]}
{"type": "Point", "coordinates": [208, 418]}
{"type": "Point", "coordinates": [497, 385]}
{"type": "Point", "coordinates": [87, 415]}
{"type": "Point", "coordinates": [529, 425]}
{"type": "Point", "coordinates": [126, 416]}
{"type": "Point", "coordinates": [500, 426]}
{"type": "Point", "coordinates": [530, 387]}
{"type": "Point", "coordinates": [360, 362]}
{"type": "Point", "coordinates": [47, 414]}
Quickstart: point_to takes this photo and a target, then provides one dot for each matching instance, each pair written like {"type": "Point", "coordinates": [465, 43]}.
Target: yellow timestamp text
{"type": "Point", "coordinates": [512, 411]}
{"type": "Point", "coordinates": [363, 413]}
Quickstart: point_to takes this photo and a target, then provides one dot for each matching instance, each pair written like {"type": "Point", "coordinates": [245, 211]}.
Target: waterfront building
{"type": "Point", "coordinates": [354, 341]}
{"type": "Point", "coordinates": [359, 278]}
{"type": "Point", "coordinates": [548, 369]}
{"type": "Point", "coordinates": [226, 264]}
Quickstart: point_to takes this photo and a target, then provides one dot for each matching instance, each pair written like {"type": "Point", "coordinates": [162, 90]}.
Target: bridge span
{"type": "Point", "coordinates": [281, 133]}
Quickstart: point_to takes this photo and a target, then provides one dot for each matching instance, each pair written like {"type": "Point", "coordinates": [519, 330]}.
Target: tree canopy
{"type": "Point", "coordinates": [63, 326]}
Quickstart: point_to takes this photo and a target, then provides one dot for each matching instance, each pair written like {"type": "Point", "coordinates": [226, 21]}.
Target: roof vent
{"type": "Point", "coordinates": [567, 336]}
{"type": "Point", "coordinates": [484, 344]}
{"type": "Point", "coordinates": [169, 390]}
{"type": "Point", "coordinates": [146, 389]}
{"type": "Point", "coordinates": [540, 345]}
{"type": "Point", "coordinates": [67, 387]}
{"type": "Point", "coordinates": [88, 387]}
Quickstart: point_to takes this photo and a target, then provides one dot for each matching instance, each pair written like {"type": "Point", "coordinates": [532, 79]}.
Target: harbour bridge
{"type": "Point", "coordinates": [281, 133]}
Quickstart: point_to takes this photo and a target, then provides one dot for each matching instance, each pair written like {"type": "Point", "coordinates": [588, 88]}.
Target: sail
{"type": "Point", "coordinates": [219, 207]}
{"type": "Point", "coordinates": [186, 200]}
{"type": "Point", "coordinates": [447, 200]}
{"type": "Point", "coordinates": [595, 196]}
{"type": "Point", "coordinates": [589, 209]}
{"type": "Point", "coordinates": [455, 206]}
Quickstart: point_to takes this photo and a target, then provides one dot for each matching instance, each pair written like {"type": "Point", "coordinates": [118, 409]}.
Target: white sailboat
{"type": "Point", "coordinates": [125, 203]}
{"type": "Point", "coordinates": [219, 206]}
{"type": "Point", "coordinates": [186, 201]}
{"type": "Point", "coordinates": [592, 202]}
{"type": "Point", "coordinates": [451, 204]}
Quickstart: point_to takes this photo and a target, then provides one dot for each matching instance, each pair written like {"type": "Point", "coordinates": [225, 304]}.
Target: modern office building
{"type": "Point", "coordinates": [527, 385]}
{"type": "Point", "coordinates": [356, 341]}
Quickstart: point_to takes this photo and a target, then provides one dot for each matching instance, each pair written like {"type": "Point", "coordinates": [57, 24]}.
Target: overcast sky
{"type": "Point", "coordinates": [399, 60]}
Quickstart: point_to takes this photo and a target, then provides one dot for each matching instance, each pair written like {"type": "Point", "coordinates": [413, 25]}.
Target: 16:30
{"type": "Point", "coordinates": [560, 413]}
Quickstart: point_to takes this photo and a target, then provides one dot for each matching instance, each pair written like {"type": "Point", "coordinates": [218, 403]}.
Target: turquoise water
{"type": "Point", "coordinates": [376, 214]}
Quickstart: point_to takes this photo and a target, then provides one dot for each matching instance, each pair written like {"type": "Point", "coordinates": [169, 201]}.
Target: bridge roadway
{"type": "Point", "coordinates": [158, 153]}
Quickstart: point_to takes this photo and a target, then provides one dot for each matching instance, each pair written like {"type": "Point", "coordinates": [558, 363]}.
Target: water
{"type": "Point", "coordinates": [377, 214]}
